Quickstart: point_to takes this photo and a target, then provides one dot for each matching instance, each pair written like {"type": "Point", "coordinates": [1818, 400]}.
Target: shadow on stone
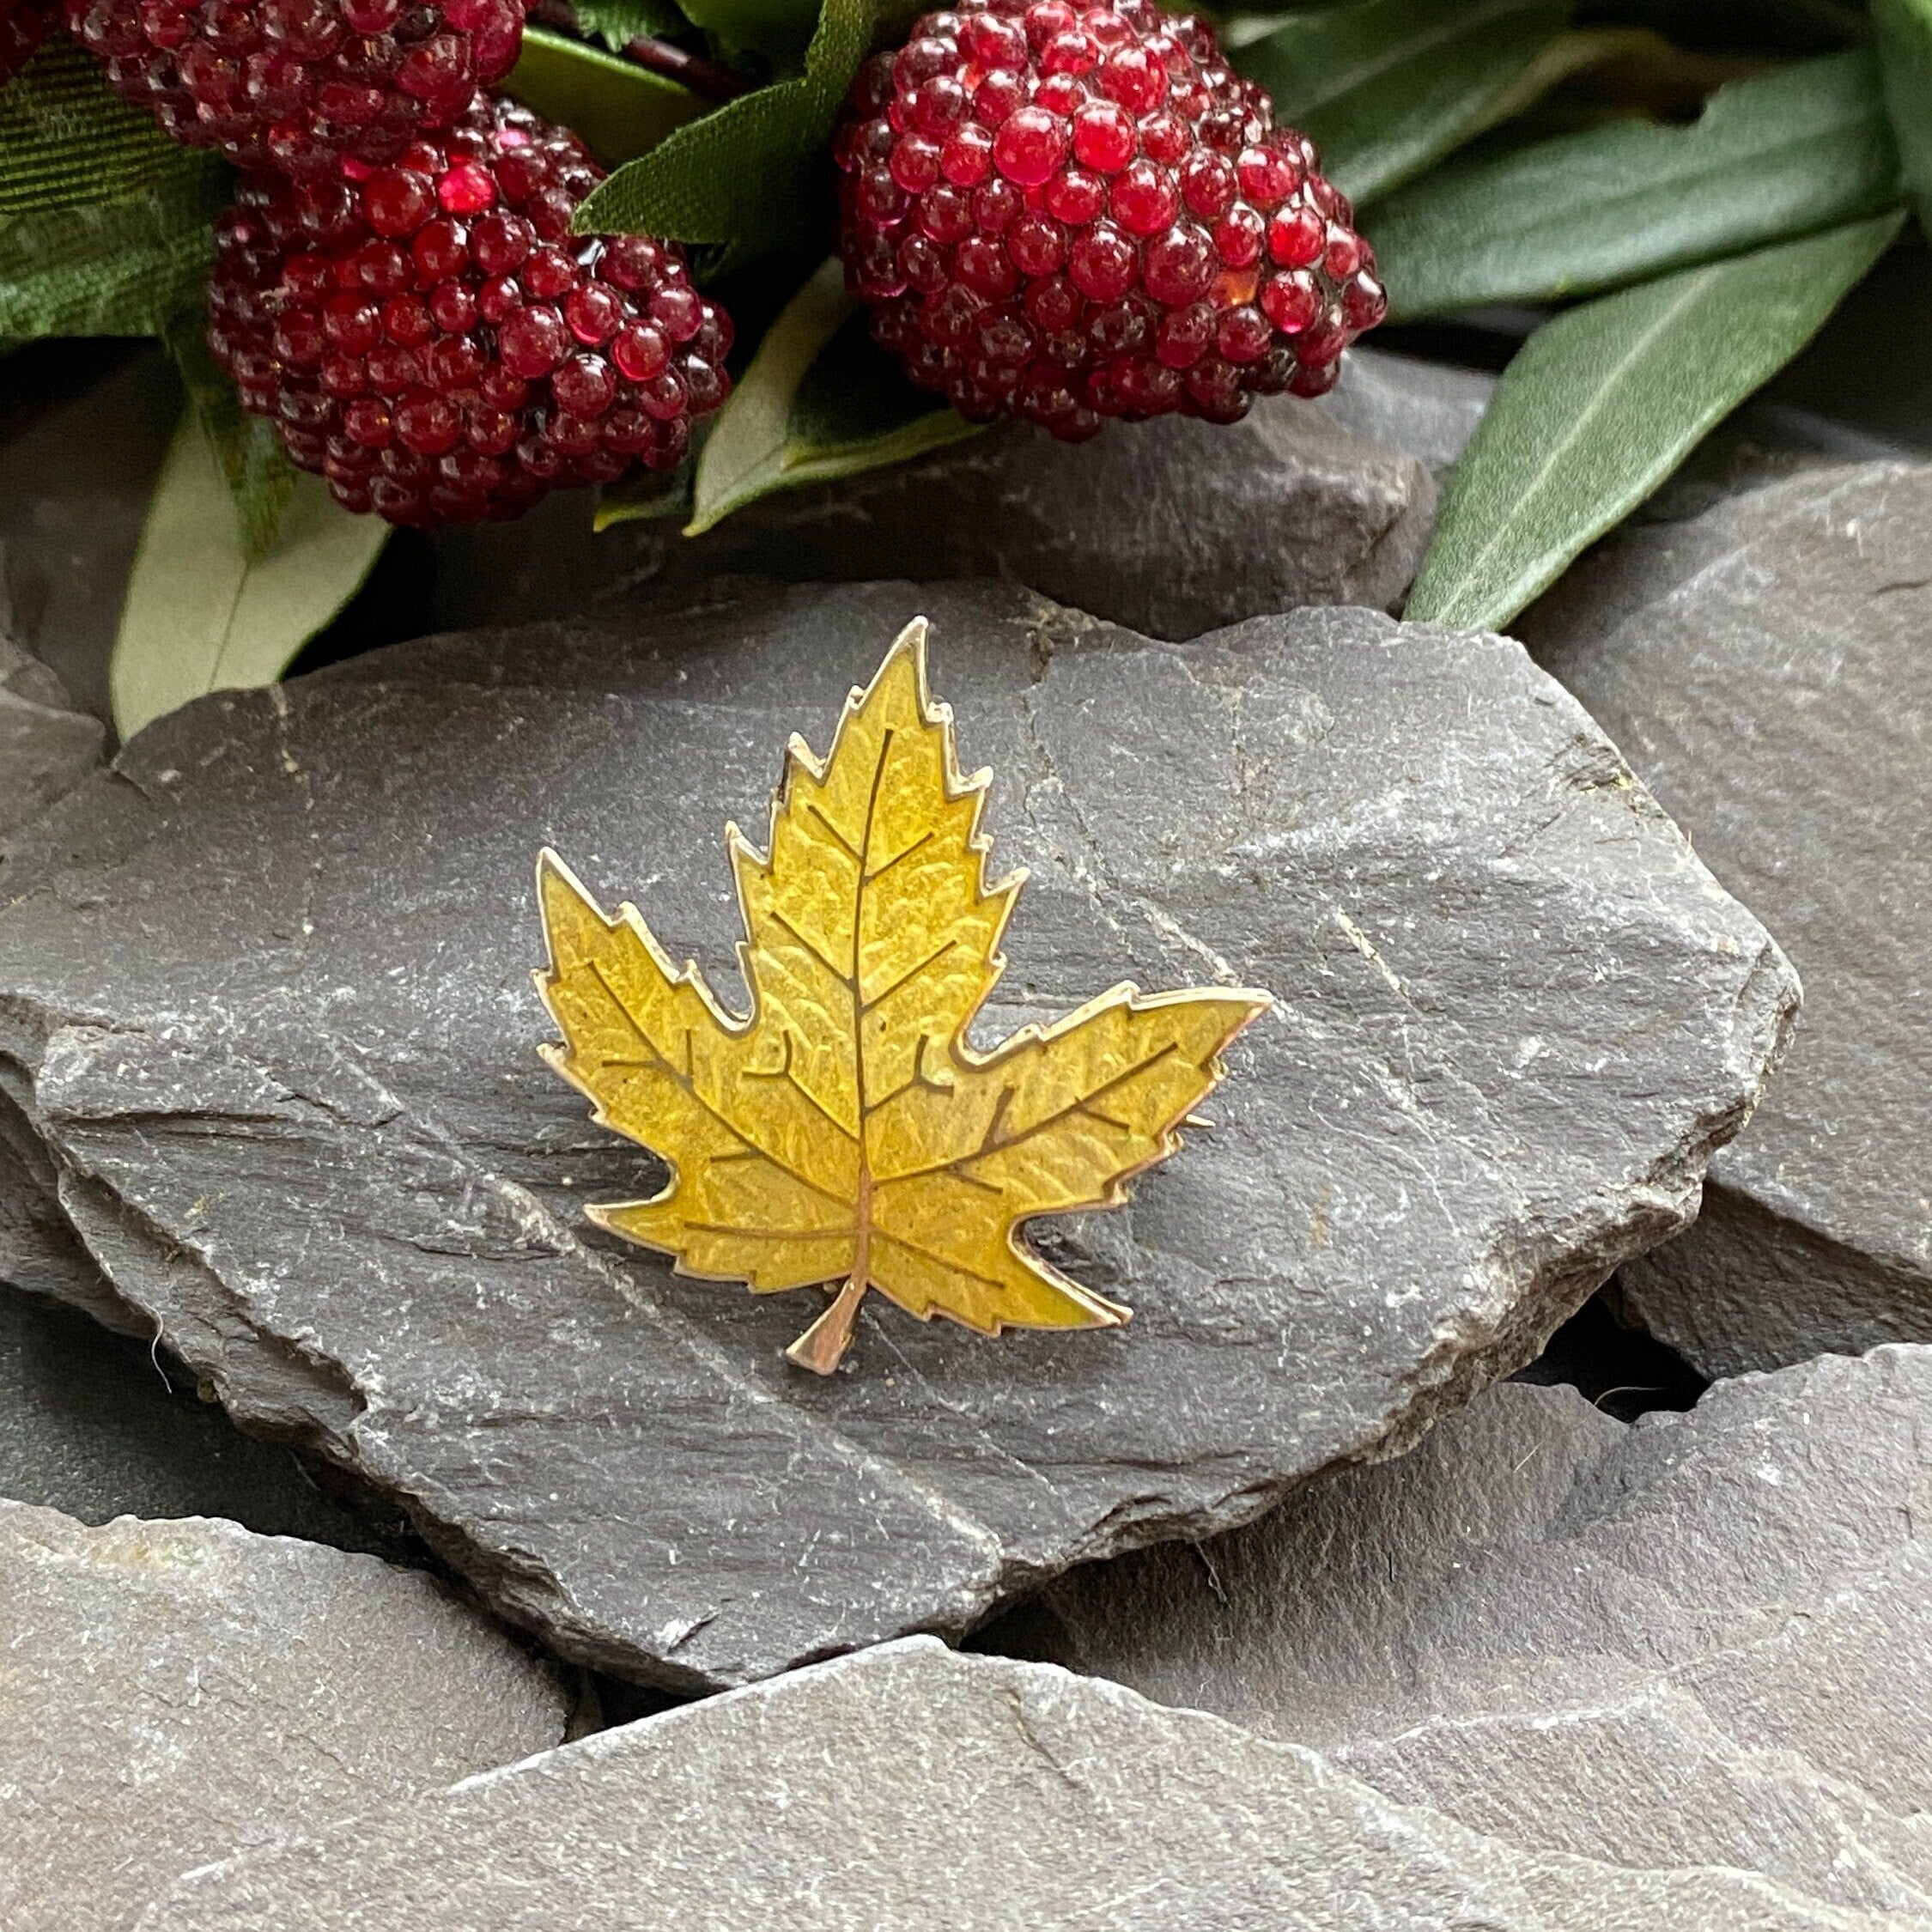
{"type": "Point", "coordinates": [1615, 1367]}
{"type": "Point", "coordinates": [99, 1425]}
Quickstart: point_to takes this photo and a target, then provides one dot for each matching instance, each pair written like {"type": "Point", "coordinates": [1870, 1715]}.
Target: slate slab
{"type": "Point", "coordinates": [268, 992]}
{"type": "Point", "coordinates": [84, 428]}
{"type": "Point", "coordinates": [99, 1426]}
{"type": "Point", "coordinates": [1170, 526]}
{"type": "Point", "coordinates": [40, 1252]}
{"type": "Point", "coordinates": [1704, 1638]}
{"type": "Point", "coordinates": [177, 1691]}
{"type": "Point", "coordinates": [1428, 410]}
{"type": "Point", "coordinates": [906, 1788]}
{"type": "Point", "coordinates": [46, 746]}
{"type": "Point", "coordinates": [1763, 667]}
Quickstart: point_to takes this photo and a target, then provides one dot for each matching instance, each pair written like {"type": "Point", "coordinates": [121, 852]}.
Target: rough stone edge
{"type": "Point", "coordinates": [1747, 1238]}
{"type": "Point", "coordinates": [1031, 1686]}
{"type": "Point", "coordinates": [1470, 1353]}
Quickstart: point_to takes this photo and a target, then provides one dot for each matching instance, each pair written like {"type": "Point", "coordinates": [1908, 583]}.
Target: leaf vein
{"type": "Point", "coordinates": [688, 1083]}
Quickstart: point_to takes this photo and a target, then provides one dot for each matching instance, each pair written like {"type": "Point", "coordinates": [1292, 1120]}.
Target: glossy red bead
{"type": "Point", "coordinates": [441, 353]}
{"type": "Point", "coordinates": [300, 85]}
{"type": "Point", "coordinates": [1073, 212]}
{"type": "Point", "coordinates": [23, 26]}
{"type": "Point", "coordinates": [1103, 136]}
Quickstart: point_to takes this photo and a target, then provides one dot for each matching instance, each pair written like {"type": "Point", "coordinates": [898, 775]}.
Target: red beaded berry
{"type": "Point", "coordinates": [23, 26]}
{"type": "Point", "coordinates": [431, 338]}
{"type": "Point", "coordinates": [1067, 212]}
{"type": "Point", "coordinates": [297, 84]}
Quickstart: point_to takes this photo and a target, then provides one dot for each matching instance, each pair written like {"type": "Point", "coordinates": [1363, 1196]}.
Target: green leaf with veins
{"type": "Point", "coordinates": [119, 268]}
{"type": "Point", "coordinates": [755, 176]}
{"type": "Point", "coordinates": [1387, 88]}
{"type": "Point", "coordinates": [620, 110]}
{"type": "Point", "coordinates": [820, 401]}
{"type": "Point", "coordinates": [1601, 405]}
{"type": "Point", "coordinates": [201, 614]}
{"type": "Point", "coordinates": [66, 142]}
{"type": "Point", "coordinates": [1791, 152]}
{"type": "Point", "coordinates": [105, 225]}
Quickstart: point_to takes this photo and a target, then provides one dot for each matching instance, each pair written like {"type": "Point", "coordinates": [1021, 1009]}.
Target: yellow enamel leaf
{"type": "Point", "coordinates": [845, 1132]}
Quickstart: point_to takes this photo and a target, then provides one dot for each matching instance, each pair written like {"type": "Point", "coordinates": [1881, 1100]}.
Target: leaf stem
{"type": "Point", "coordinates": [709, 78]}
{"type": "Point", "coordinates": [822, 1348]}
{"type": "Point", "coordinates": [705, 77]}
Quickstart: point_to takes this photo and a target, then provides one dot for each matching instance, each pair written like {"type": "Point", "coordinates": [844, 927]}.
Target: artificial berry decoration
{"type": "Point", "coordinates": [1071, 212]}
{"type": "Point", "coordinates": [431, 338]}
{"type": "Point", "coordinates": [23, 26]}
{"type": "Point", "coordinates": [297, 84]}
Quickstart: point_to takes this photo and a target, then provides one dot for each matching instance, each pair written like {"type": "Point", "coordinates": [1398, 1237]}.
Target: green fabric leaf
{"type": "Point", "coordinates": [258, 471]}
{"type": "Point", "coordinates": [781, 29]}
{"type": "Point", "coordinates": [620, 109]}
{"type": "Point", "coordinates": [105, 225]}
{"type": "Point", "coordinates": [200, 615]}
{"type": "Point", "coordinates": [66, 140]}
{"type": "Point", "coordinates": [1904, 45]}
{"type": "Point", "coordinates": [1785, 155]}
{"type": "Point", "coordinates": [645, 497]}
{"type": "Point", "coordinates": [119, 268]}
{"type": "Point", "coordinates": [618, 22]}
{"type": "Point", "coordinates": [1603, 403]}
{"type": "Point", "coordinates": [1386, 89]}
{"type": "Point", "coordinates": [754, 176]}
{"type": "Point", "coordinates": [820, 400]}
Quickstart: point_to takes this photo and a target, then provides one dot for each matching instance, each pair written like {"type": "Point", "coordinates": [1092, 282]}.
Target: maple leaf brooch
{"type": "Point", "coordinates": [845, 1132]}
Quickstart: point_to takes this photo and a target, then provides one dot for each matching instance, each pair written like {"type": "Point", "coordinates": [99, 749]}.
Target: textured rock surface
{"type": "Point", "coordinates": [1169, 526]}
{"type": "Point", "coordinates": [1704, 1639]}
{"type": "Point", "coordinates": [1764, 669]}
{"type": "Point", "coordinates": [38, 1248]}
{"type": "Point", "coordinates": [46, 747]}
{"type": "Point", "coordinates": [1425, 409]}
{"type": "Point", "coordinates": [91, 1425]}
{"type": "Point", "coordinates": [1172, 527]}
{"type": "Point", "coordinates": [173, 1692]}
{"type": "Point", "coordinates": [269, 989]}
{"type": "Point", "coordinates": [908, 1787]}
{"type": "Point", "coordinates": [84, 425]}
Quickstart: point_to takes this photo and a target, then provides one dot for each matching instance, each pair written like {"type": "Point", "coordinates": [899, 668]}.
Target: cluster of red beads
{"type": "Point", "coordinates": [430, 338]}
{"type": "Point", "coordinates": [23, 26]}
{"type": "Point", "coordinates": [1070, 212]}
{"type": "Point", "coordinates": [296, 84]}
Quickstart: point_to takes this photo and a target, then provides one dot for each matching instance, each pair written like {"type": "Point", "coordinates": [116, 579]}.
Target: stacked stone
{"type": "Point", "coordinates": [1275, 1609]}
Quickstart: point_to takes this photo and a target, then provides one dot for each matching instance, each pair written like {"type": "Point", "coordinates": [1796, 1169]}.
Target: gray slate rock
{"type": "Point", "coordinates": [1704, 1639]}
{"type": "Point", "coordinates": [1764, 669]}
{"type": "Point", "coordinates": [174, 1693]}
{"type": "Point", "coordinates": [84, 428]}
{"type": "Point", "coordinates": [1173, 528]}
{"type": "Point", "coordinates": [46, 746]}
{"type": "Point", "coordinates": [269, 992]}
{"type": "Point", "coordinates": [91, 1425]}
{"type": "Point", "coordinates": [1428, 410]}
{"type": "Point", "coordinates": [906, 1788]}
{"type": "Point", "coordinates": [40, 1251]}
